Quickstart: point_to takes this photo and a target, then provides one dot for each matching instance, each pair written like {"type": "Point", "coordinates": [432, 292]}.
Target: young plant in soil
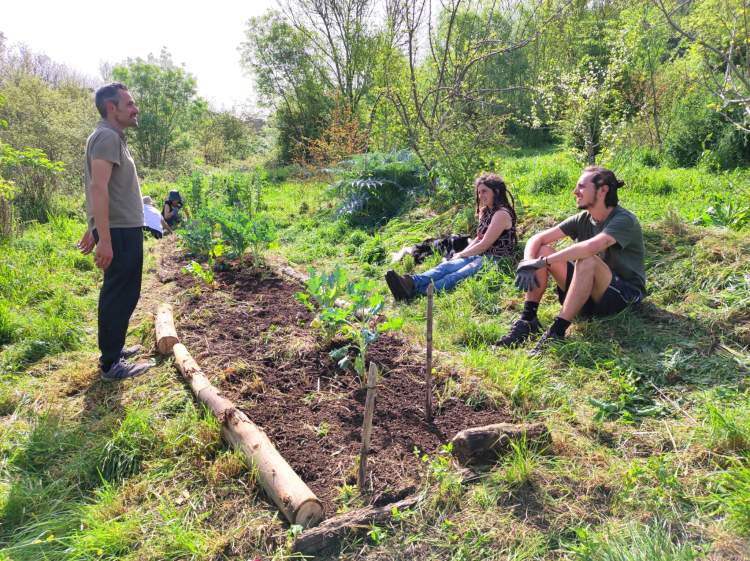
{"type": "Point", "coordinates": [348, 309]}
{"type": "Point", "coordinates": [206, 274]}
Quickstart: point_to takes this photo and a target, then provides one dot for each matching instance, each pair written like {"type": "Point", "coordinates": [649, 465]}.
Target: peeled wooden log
{"type": "Point", "coordinates": [328, 534]}
{"type": "Point", "coordinates": [295, 499]}
{"type": "Point", "coordinates": [483, 445]}
{"type": "Point", "coordinates": [166, 334]}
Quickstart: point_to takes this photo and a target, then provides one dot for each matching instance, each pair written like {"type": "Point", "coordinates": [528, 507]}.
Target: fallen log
{"type": "Point", "coordinates": [483, 445]}
{"type": "Point", "coordinates": [295, 499]}
{"type": "Point", "coordinates": [327, 535]}
{"type": "Point", "coordinates": [166, 334]}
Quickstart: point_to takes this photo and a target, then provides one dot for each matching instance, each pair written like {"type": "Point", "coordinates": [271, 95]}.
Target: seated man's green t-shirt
{"type": "Point", "coordinates": [624, 258]}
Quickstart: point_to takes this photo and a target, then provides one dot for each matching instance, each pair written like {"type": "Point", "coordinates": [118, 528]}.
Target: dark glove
{"type": "Point", "coordinates": [526, 273]}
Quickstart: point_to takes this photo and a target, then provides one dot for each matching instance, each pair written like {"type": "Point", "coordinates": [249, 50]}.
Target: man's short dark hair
{"type": "Point", "coordinates": [604, 176]}
{"type": "Point", "coordinates": [110, 92]}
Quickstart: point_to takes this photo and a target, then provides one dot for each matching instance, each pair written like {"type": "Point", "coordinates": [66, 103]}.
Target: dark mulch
{"type": "Point", "coordinates": [254, 340]}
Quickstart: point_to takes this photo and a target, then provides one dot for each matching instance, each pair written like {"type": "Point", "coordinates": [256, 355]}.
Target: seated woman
{"type": "Point", "coordinates": [495, 239]}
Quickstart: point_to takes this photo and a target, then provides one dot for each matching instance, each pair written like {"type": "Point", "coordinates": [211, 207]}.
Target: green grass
{"type": "Point", "coordinates": [648, 410]}
{"type": "Point", "coordinates": [47, 292]}
{"type": "Point", "coordinates": [656, 398]}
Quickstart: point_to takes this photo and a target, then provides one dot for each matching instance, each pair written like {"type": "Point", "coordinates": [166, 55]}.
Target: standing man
{"type": "Point", "coordinates": [115, 224]}
{"type": "Point", "coordinates": [600, 274]}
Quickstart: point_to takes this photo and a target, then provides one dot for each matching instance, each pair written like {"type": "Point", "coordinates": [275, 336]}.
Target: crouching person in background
{"type": "Point", "coordinates": [495, 239]}
{"type": "Point", "coordinates": [153, 220]}
{"type": "Point", "coordinates": [601, 274]}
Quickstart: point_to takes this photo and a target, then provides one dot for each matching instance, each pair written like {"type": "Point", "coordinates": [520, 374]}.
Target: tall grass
{"type": "Point", "coordinates": [47, 293]}
{"type": "Point", "coordinates": [634, 543]}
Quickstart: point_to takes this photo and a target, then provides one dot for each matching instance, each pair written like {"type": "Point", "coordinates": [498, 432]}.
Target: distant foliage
{"type": "Point", "coordinates": [343, 137]}
{"type": "Point", "coordinates": [223, 136]}
{"type": "Point", "coordinates": [169, 106]}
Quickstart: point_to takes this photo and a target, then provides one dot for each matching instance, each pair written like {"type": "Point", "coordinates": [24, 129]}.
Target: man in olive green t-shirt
{"type": "Point", "coordinates": [600, 274]}
{"type": "Point", "coordinates": [115, 224]}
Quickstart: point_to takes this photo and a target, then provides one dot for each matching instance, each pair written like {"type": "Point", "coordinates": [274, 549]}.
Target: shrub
{"type": "Point", "coordinates": [691, 132]}
{"type": "Point", "coordinates": [354, 319]}
{"type": "Point", "coordinates": [729, 210]}
{"type": "Point", "coordinates": [378, 186]}
{"type": "Point", "coordinates": [197, 235]}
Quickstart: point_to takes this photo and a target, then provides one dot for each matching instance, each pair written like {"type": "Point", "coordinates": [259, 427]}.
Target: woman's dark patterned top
{"type": "Point", "coordinates": [505, 243]}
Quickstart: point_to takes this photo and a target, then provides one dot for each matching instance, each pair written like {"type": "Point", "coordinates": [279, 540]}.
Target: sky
{"type": "Point", "coordinates": [83, 34]}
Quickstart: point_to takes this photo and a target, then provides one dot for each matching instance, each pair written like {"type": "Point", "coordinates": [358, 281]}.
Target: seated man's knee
{"type": "Point", "coordinates": [586, 265]}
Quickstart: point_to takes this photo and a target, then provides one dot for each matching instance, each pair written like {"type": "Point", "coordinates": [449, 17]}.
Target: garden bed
{"type": "Point", "coordinates": [254, 340]}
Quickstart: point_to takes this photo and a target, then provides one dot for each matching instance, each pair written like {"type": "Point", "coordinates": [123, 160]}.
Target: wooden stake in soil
{"type": "Point", "coordinates": [372, 376]}
{"type": "Point", "coordinates": [428, 366]}
{"type": "Point", "coordinates": [166, 334]}
{"type": "Point", "coordinates": [295, 499]}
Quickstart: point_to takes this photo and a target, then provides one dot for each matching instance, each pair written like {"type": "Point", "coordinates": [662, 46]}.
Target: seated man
{"type": "Point", "coordinates": [601, 274]}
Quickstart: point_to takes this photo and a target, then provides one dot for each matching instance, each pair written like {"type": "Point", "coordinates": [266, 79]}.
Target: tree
{"type": "Point", "coordinates": [450, 111]}
{"type": "Point", "coordinates": [288, 79]}
{"type": "Point", "coordinates": [168, 103]}
{"type": "Point", "coordinates": [344, 35]}
{"type": "Point", "coordinates": [719, 31]}
{"type": "Point", "coordinates": [25, 183]}
{"type": "Point", "coordinates": [223, 136]}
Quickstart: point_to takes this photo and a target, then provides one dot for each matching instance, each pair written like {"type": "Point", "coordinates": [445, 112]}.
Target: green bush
{"type": "Point", "coordinates": [377, 186]}
{"type": "Point", "coordinates": [197, 235]}
{"type": "Point", "coordinates": [692, 130]}
{"type": "Point", "coordinates": [732, 148]}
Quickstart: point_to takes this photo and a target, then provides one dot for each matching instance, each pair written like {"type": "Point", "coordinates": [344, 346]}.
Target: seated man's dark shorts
{"type": "Point", "coordinates": [619, 295]}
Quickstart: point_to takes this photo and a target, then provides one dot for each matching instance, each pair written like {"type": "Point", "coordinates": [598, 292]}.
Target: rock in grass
{"type": "Point", "coordinates": [484, 445]}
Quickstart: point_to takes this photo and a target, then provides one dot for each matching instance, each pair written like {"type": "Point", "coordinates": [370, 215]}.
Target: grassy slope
{"type": "Point", "coordinates": [90, 471]}
{"type": "Point", "coordinates": [685, 353]}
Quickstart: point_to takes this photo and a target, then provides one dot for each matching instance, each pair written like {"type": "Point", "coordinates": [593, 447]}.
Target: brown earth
{"type": "Point", "coordinates": [254, 341]}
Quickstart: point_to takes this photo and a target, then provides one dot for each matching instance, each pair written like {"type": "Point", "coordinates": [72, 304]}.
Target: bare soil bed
{"type": "Point", "coordinates": [254, 340]}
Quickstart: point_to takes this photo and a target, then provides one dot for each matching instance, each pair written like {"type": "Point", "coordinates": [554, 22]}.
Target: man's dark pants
{"type": "Point", "coordinates": [120, 291]}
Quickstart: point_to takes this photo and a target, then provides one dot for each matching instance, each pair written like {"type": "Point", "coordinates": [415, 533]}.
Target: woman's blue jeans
{"type": "Point", "coordinates": [449, 273]}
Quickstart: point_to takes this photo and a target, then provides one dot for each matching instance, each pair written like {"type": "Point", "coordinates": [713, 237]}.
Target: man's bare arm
{"type": "Point", "coordinates": [582, 250]}
{"type": "Point", "coordinates": [544, 237]}
{"type": "Point", "coordinates": [101, 171]}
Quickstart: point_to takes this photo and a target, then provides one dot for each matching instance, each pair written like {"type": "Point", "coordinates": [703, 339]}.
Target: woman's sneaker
{"type": "Point", "coordinates": [520, 331]}
{"type": "Point", "coordinates": [121, 370]}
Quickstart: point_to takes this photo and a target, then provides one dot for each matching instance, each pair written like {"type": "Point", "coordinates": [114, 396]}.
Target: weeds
{"type": "Point", "coordinates": [632, 401]}
{"type": "Point", "coordinates": [728, 429]}
{"type": "Point", "coordinates": [636, 543]}
{"type": "Point", "coordinates": [731, 494]}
